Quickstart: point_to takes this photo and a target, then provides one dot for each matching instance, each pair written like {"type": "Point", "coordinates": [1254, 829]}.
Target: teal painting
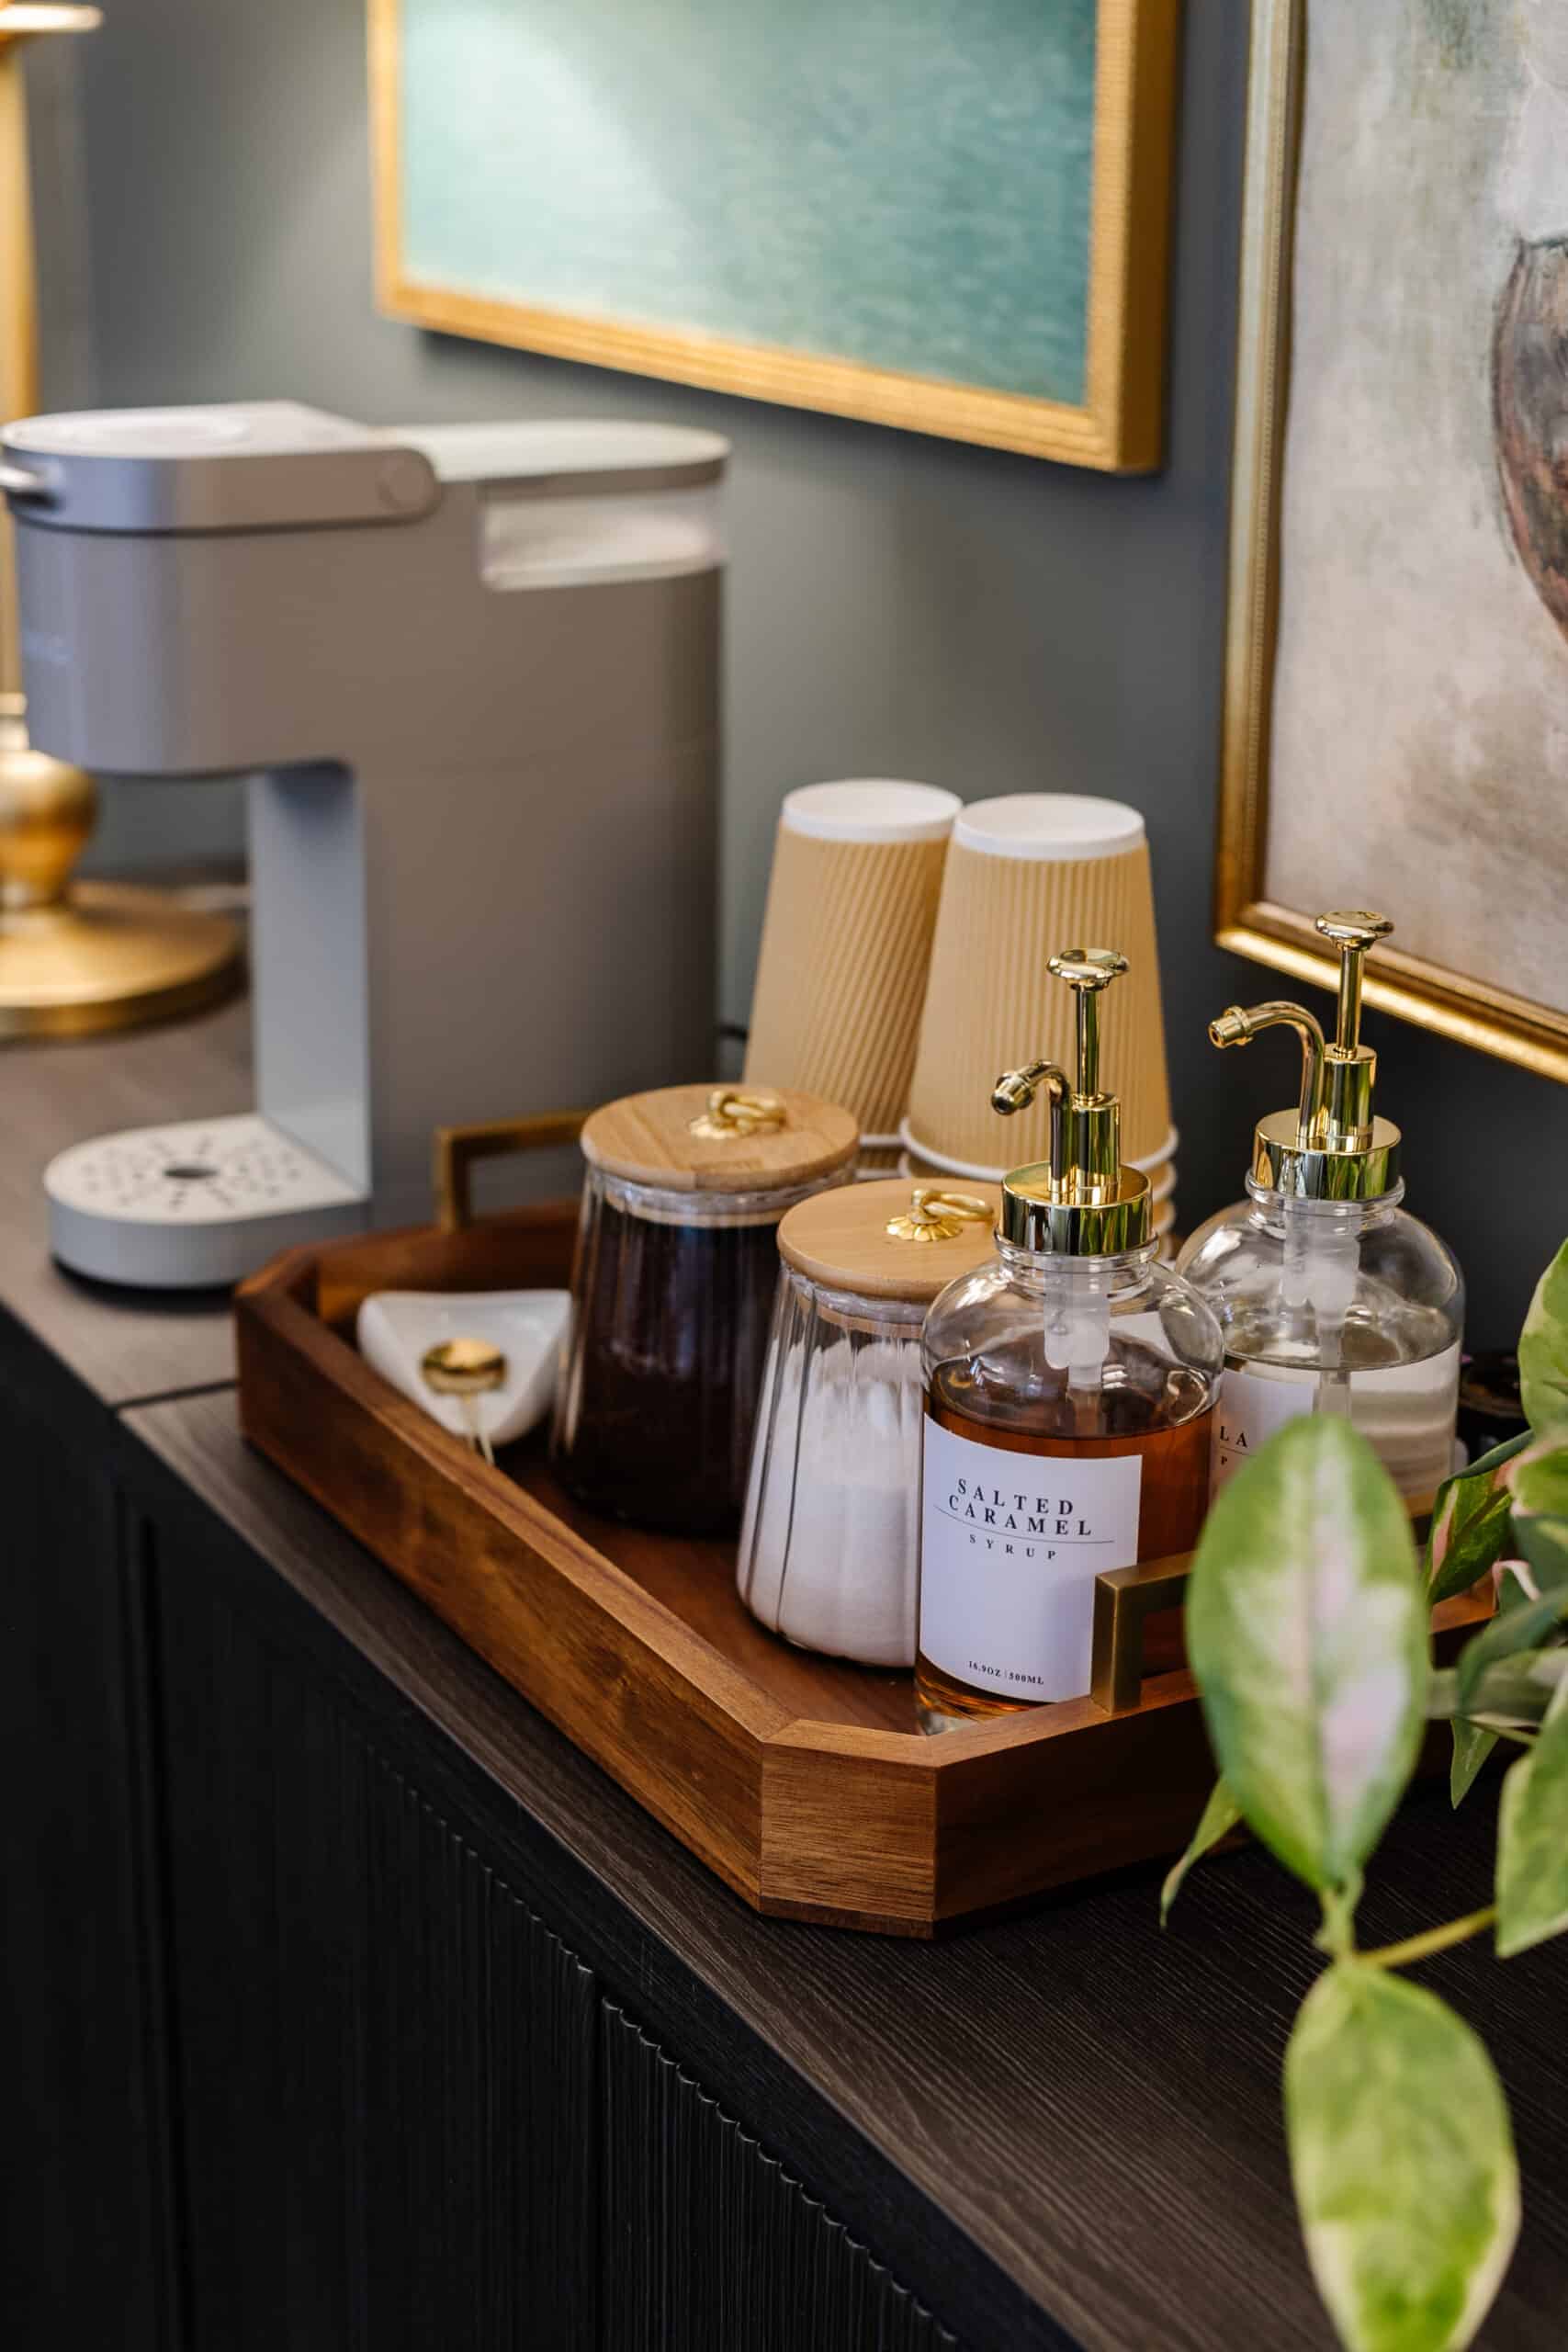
{"type": "Point", "coordinates": [885, 207]}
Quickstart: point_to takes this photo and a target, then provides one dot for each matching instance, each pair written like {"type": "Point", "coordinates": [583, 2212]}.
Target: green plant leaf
{"type": "Point", "coordinates": [1520, 1627]}
{"type": "Point", "coordinates": [1544, 1543]}
{"type": "Point", "coordinates": [1442, 1694]}
{"type": "Point", "coordinates": [1543, 1348]}
{"type": "Point", "coordinates": [1537, 1479]}
{"type": "Point", "coordinates": [1470, 1523]}
{"type": "Point", "coordinates": [1518, 1690]}
{"type": "Point", "coordinates": [1532, 1838]}
{"type": "Point", "coordinates": [1403, 2159]}
{"type": "Point", "coordinates": [1473, 1745]}
{"type": "Point", "coordinates": [1307, 1628]}
{"type": "Point", "coordinates": [1537, 1474]}
{"type": "Point", "coordinates": [1218, 1819]}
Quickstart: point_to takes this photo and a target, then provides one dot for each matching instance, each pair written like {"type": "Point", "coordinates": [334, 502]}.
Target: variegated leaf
{"type": "Point", "coordinates": [1532, 1840]}
{"type": "Point", "coordinates": [1403, 2158]}
{"type": "Point", "coordinates": [1543, 1348]}
{"type": "Point", "coordinates": [1306, 1627]}
{"type": "Point", "coordinates": [1218, 1819]}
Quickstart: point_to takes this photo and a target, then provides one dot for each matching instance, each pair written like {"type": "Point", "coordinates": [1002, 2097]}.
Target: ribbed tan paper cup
{"type": "Point", "coordinates": [1026, 877]}
{"type": "Point", "coordinates": [846, 941]}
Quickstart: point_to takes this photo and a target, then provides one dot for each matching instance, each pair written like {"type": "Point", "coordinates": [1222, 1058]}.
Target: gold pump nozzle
{"type": "Point", "coordinates": [1332, 1146]}
{"type": "Point", "coordinates": [1082, 1201]}
{"type": "Point", "coordinates": [1238, 1024]}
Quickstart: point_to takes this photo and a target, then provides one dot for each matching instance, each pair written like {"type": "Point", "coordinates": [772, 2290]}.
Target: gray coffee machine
{"type": "Point", "coordinates": [473, 676]}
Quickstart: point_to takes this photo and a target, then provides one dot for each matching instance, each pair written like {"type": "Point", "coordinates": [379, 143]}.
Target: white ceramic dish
{"type": "Point", "coordinates": [395, 1327]}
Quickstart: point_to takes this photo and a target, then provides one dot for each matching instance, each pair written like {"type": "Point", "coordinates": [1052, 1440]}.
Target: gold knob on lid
{"type": "Point", "coordinates": [1332, 1146]}
{"type": "Point", "coordinates": [1082, 1203]}
{"type": "Point", "coordinates": [938, 1216]}
{"type": "Point", "coordinates": [731, 1111]}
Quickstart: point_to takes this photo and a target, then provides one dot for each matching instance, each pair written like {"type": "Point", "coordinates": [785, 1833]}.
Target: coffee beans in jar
{"type": "Point", "coordinates": [672, 1294]}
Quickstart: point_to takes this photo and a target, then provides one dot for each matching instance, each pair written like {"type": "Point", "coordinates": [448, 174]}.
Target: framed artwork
{"type": "Point", "coordinates": [1396, 708]}
{"type": "Point", "coordinates": [949, 215]}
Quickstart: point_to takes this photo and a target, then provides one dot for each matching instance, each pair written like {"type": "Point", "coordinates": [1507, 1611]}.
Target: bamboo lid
{"type": "Point", "coordinates": [721, 1138]}
{"type": "Point", "coordinates": [845, 1239]}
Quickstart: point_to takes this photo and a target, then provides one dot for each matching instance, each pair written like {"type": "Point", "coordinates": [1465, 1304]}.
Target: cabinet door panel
{"type": "Point", "coordinates": [710, 2244]}
{"type": "Point", "coordinates": [84, 2211]}
{"type": "Point", "coordinates": [478, 2099]}
{"type": "Point", "coordinates": [263, 1817]}
{"type": "Point", "coordinates": [386, 2059]}
{"type": "Point", "coordinates": [412, 2117]}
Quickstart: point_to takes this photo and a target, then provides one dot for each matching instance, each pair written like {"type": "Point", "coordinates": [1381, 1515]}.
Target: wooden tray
{"type": "Point", "coordinates": [803, 1781]}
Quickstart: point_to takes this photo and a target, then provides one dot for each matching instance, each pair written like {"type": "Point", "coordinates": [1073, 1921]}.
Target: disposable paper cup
{"type": "Point", "coordinates": [846, 942]}
{"type": "Point", "coordinates": [1026, 877]}
{"type": "Point", "coordinates": [879, 1156]}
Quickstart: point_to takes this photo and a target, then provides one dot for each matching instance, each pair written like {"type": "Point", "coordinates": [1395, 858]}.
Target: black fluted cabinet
{"type": "Point", "coordinates": [300, 2057]}
{"type": "Point", "coordinates": [85, 2211]}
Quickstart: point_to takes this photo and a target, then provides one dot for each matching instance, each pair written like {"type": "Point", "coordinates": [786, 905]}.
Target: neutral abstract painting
{"type": "Point", "coordinates": [1419, 754]}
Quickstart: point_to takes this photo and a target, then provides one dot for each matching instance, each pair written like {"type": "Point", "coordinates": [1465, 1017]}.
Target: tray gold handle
{"type": "Point", "coordinates": [1123, 1600]}
{"type": "Point", "coordinates": [456, 1149]}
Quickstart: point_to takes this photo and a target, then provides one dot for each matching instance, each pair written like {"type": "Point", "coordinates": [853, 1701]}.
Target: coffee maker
{"type": "Point", "coordinates": [472, 675]}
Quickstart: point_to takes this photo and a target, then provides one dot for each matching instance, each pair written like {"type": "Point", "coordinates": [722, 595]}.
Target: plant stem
{"type": "Point", "coordinates": [1454, 1931]}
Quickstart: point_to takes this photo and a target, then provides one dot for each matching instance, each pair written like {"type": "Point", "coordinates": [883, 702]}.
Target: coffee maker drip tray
{"type": "Point", "coordinates": [199, 1203]}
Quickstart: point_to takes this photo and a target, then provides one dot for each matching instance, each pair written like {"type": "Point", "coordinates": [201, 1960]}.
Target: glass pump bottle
{"type": "Point", "coordinates": [1333, 1299]}
{"type": "Point", "coordinates": [1070, 1382]}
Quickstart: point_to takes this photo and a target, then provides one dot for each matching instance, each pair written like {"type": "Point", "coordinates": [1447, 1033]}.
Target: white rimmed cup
{"type": "Point", "coordinates": [1026, 876]}
{"type": "Point", "coordinates": [846, 942]}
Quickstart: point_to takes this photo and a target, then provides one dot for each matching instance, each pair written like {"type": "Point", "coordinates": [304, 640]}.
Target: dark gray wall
{"type": "Point", "coordinates": [896, 606]}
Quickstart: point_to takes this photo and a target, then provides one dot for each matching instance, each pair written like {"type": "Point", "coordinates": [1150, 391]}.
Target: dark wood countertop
{"type": "Point", "coordinates": [1091, 2106]}
{"type": "Point", "coordinates": [1096, 2104]}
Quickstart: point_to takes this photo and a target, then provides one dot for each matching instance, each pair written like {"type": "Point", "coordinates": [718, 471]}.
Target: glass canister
{"type": "Point", "coordinates": [677, 1259]}
{"type": "Point", "coordinates": [829, 1550]}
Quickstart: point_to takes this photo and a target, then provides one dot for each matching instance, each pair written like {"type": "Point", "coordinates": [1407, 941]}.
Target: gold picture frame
{"type": "Point", "coordinates": [1471, 1011]}
{"type": "Point", "coordinates": [1118, 426]}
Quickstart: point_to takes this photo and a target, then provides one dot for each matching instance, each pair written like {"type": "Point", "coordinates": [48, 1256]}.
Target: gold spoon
{"type": "Point", "coordinates": [466, 1369]}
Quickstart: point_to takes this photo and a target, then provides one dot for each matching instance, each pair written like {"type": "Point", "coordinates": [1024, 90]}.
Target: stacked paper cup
{"type": "Point", "coordinates": [846, 943]}
{"type": "Point", "coordinates": [1026, 876]}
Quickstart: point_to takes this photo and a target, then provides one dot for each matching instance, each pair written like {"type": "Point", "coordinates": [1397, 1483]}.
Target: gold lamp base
{"type": "Point", "coordinates": [79, 958]}
{"type": "Point", "coordinates": [110, 955]}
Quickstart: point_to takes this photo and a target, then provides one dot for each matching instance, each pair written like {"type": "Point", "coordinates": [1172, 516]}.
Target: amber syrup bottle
{"type": "Point", "coordinates": [1071, 1382]}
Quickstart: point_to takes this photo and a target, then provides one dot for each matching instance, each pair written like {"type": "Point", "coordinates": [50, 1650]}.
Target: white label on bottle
{"type": "Point", "coordinates": [1249, 1407]}
{"type": "Point", "coordinates": [1406, 1411]}
{"type": "Point", "coordinates": [1011, 1544]}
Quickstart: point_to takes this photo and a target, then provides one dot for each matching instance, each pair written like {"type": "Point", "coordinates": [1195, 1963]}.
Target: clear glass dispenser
{"type": "Point", "coordinates": [1333, 1300]}
{"type": "Point", "coordinates": [1071, 1382]}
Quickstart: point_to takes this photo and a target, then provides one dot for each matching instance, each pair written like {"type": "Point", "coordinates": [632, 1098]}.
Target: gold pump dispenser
{"type": "Point", "coordinates": [1332, 1146]}
{"type": "Point", "coordinates": [1082, 1201]}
